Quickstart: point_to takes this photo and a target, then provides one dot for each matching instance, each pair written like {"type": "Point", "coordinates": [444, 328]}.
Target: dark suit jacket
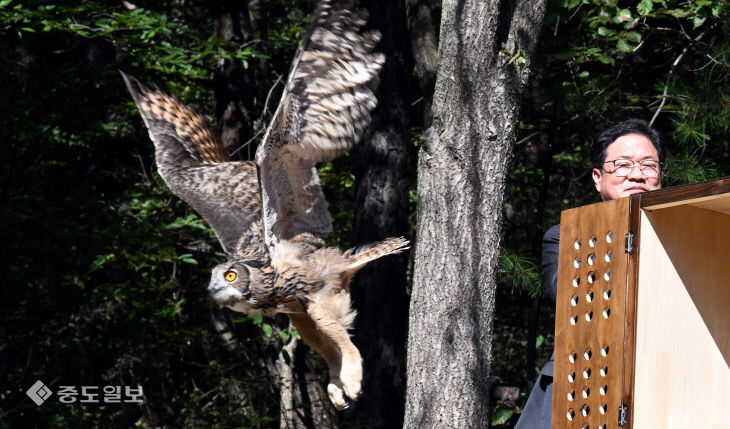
{"type": "Point", "coordinates": [537, 413]}
{"type": "Point", "coordinates": [550, 244]}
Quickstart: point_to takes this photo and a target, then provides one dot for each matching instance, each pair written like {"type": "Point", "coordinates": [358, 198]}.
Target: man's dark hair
{"type": "Point", "coordinates": [629, 126]}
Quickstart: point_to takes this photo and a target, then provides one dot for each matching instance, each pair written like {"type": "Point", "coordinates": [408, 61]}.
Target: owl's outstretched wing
{"type": "Point", "coordinates": [193, 164]}
{"type": "Point", "coordinates": [325, 107]}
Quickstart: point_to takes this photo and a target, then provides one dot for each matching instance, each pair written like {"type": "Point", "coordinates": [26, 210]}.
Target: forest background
{"type": "Point", "coordinates": [105, 273]}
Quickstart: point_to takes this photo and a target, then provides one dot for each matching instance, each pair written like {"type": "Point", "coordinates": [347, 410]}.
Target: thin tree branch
{"type": "Point", "coordinates": [268, 97]}
{"type": "Point", "coordinates": [248, 142]}
{"type": "Point", "coordinates": [671, 72]}
{"type": "Point", "coordinates": [263, 113]}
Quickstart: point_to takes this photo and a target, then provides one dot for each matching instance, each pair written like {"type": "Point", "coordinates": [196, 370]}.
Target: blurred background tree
{"type": "Point", "coordinates": [105, 272]}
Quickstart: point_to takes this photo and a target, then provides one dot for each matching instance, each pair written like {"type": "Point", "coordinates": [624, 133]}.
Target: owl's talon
{"type": "Point", "coordinates": [352, 391]}
{"type": "Point", "coordinates": [350, 379]}
{"type": "Point", "coordinates": [337, 395]}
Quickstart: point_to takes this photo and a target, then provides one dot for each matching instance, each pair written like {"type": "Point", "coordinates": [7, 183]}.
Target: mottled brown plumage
{"type": "Point", "coordinates": [271, 216]}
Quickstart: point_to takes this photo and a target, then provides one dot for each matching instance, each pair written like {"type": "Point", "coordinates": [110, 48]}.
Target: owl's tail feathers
{"type": "Point", "coordinates": [361, 256]}
{"type": "Point", "coordinates": [182, 136]}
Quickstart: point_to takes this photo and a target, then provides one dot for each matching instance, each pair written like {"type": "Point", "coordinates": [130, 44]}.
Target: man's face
{"type": "Point", "coordinates": [634, 147]}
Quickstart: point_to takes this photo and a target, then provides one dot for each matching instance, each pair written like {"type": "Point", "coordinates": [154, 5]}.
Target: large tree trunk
{"type": "Point", "coordinates": [424, 45]}
{"type": "Point", "coordinates": [462, 168]}
{"type": "Point", "coordinates": [383, 171]}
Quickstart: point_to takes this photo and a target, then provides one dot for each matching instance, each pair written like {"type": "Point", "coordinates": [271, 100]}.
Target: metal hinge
{"type": "Point", "coordinates": [623, 412]}
{"type": "Point", "coordinates": [629, 246]}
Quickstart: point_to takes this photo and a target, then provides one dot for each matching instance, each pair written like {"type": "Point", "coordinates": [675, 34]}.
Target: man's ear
{"type": "Point", "coordinates": [597, 176]}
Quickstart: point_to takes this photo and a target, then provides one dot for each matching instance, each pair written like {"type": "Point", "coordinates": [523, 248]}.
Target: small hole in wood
{"type": "Point", "coordinates": [604, 371]}
{"type": "Point", "coordinates": [585, 410]}
{"type": "Point", "coordinates": [607, 294]}
{"type": "Point", "coordinates": [586, 392]}
{"type": "Point", "coordinates": [604, 351]}
{"type": "Point", "coordinates": [572, 356]}
{"type": "Point", "coordinates": [571, 395]}
{"type": "Point", "coordinates": [609, 256]}
{"type": "Point", "coordinates": [571, 376]}
{"type": "Point", "coordinates": [591, 259]}
{"type": "Point", "coordinates": [589, 296]}
{"type": "Point", "coordinates": [603, 408]}
{"type": "Point", "coordinates": [578, 242]}
{"type": "Point", "coordinates": [587, 373]}
{"type": "Point", "coordinates": [585, 427]}
{"type": "Point", "coordinates": [609, 236]}
{"type": "Point", "coordinates": [571, 414]}
{"type": "Point", "coordinates": [574, 319]}
{"type": "Point", "coordinates": [574, 300]}
{"type": "Point", "coordinates": [602, 426]}
{"type": "Point", "coordinates": [576, 262]}
{"type": "Point", "coordinates": [576, 281]}
{"type": "Point", "coordinates": [587, 354]}
{"type": "Point", "coordinates": [592, 241]}
{"type": "Point", "coordinates": [603, 390]}
{"type": "Point", "coordinates": [591, 277]}
{"type": "Point", "coordinates": [607, 275]}
{"type": "Point", "coordinates": [589, 316]}
{"type": "Point", "coordinates": [606, 312]}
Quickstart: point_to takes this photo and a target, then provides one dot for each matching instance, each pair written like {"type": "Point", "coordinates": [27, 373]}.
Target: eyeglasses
{"type": "Point", "coordinates": [623, 167]}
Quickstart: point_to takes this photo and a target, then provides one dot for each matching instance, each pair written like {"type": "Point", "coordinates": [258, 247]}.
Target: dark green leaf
{"type": "Point", "coordinates": [540, 341]}
{"type": "Point", "coordinates": [623, 45]}
{"type": "Point", "coordinates": [645, 7]}
{"type": "Point", "coordinates": [501, 415]}
{"type": "Point", "coordinates": [258, 319]}
{"type": "Point", "coordinates": [632, 36]}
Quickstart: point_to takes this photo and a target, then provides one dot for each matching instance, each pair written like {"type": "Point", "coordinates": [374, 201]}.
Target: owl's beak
{"type": "Point", "coordinates": [212, 288]}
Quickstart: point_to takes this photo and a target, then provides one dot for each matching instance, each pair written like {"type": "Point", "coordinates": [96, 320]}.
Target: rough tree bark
{"type": "Point", "coordinates": [424, 45]}
{"type": "Point", "coordinates": [300, 380]}
{"type": "Point", "coordinates": [486, 48]}
{"type": "Point", "coordinates": [383, 171]}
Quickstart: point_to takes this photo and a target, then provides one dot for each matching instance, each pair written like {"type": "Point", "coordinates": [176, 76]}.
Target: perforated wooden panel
{"type": "Point", "coordinates": [590, 316]}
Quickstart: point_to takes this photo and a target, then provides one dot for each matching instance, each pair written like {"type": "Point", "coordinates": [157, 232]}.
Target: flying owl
{"type": "Point", "coordinates": [270, 215]}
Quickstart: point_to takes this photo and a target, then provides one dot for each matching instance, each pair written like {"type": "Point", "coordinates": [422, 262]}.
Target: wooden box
{"type": "Point", "coordinates": [642, 323]}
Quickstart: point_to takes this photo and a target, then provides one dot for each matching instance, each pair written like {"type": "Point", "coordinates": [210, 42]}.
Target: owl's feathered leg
{"type": "Point", "coordinates": [324, 328]}
{"type": "Point", "coordinates": [345, 378]}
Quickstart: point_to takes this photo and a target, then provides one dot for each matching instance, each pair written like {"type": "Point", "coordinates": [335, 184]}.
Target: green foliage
{"type": "Point", "coordinates": [519, 271]}
{"type": "Point", "coordinates": [163, 41]}
{"type": "Point", "coordinates": [501, 415]}
{"type": "Point", "coordinates": [338, 182]}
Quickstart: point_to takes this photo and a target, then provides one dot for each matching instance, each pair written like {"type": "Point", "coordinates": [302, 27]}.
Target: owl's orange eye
{"type": "Point", "coordinates": [230, 275]}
